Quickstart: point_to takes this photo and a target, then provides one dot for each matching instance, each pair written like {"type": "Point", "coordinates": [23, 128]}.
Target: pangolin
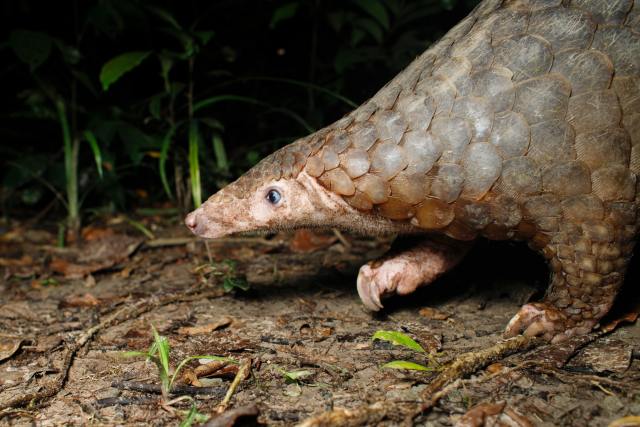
{"type": "Point", "coordinates": [522, 123]}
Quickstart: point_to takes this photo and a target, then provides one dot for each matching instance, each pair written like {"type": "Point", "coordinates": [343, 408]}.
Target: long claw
{"type": "Point", "coordinates": [365, 291]}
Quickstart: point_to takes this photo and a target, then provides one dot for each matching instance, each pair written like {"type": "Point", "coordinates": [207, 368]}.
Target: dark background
{"type": "Point", "coordinates": [232, 47]}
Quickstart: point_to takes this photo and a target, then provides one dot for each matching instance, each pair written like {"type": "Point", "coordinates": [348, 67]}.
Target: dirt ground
{"type": "Point", "coordinates": [85, 307]}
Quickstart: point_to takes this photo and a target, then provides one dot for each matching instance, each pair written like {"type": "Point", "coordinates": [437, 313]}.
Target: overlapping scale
{"type": "Point", "coordinates": [477, 111]}
{"type": "Point", "coordinates": [601, 148]}
{"type": "Point", "coordinates": [520, 177]}
{"type": "Point", "coordinates": [422, 150]}
{"type": "Point", "coordinates": [355, 162]}
{"type": "Point", "coordinates": [417, 110]}
{"type": "Point", "coordinates": [454, 133]}
{"type": "Point", "coordinates": [511, 134]}
{"type": "Point", "coordinates": [543, 98]}
{"type": "Point", "coordinates": [552, 141]}
{"type": "Point", "coordinates": [567, 179]}
{"type": "Point", "coordinates": [586, 70]}
{"type": "Point", "coordinates": [606, 12]}
{"type": "Point", "coordinates": [375, 188]}
{"type": "Point", "coordinates": [482, 166]}
{"type": "Point", "coordinates": [433, 214]}
{"type": "Point", "coordinates": [496, 87]}
{"type": "Point", "coordinates": [527, 56]}
{"type": "Point", "coordinates": [563, 28]}
{"type": "Point", "coordinates": [390, 126]}
{"type": "Point", "coordinates": [476, 47]}
{"type": "Point", "coordinates": [447, 182]}
{"type": "Point", "coordinates": [622, 45]}
{"type": "Point", "coordinates": [594, 111]}
{"type": "Point", "coordinates": [387, 159]}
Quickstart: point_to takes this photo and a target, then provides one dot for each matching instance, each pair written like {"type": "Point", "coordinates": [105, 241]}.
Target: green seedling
{"type": "Point", "coordinates": [294, 378]}
{"type": "Point", "coordinates": [159, 352]}
{"type": "Point", "coordinates": [403, 340]}
{"type": "Point", "coordinates": [226, 271]}
{"type": "Point", "coordinates": [193, 416]}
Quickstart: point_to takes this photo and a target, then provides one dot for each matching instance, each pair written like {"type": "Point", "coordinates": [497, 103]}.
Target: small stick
{"type": "Point", "coordinates": [176, 389]}
{"type": "Point", "coordinates": [242, 373]}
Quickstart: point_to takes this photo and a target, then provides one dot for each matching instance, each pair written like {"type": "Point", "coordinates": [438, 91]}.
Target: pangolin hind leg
{"type": "Point", "coordinates": [402, 271]}
{"type": "Point", "coordinates": [587, 264]}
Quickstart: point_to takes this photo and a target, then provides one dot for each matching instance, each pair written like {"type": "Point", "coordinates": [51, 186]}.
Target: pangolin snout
{"type": "Point", "coordinates": [191, 221]}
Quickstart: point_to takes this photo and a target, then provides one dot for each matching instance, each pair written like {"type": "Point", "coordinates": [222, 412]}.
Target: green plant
{"type": "Point", "coordinates": [159, 354]}
{"type": "Point", "coordinates": [403, 340]}
{"type": "Point", "coordinates": [226, 270]}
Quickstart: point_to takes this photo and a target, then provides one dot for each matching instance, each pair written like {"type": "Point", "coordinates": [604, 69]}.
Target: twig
{"type": "Point", "coordinates": [242, 374]}
{"type": "Point", "coordinates": [176, 389]}
{"type": "Point", "coordinates": [128, 312]}
{"type": "Point", "coordinates": [113, 401]}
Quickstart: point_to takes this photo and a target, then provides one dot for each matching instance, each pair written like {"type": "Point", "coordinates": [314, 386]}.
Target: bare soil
{"type": "Point", "coordinates": [302, 312]}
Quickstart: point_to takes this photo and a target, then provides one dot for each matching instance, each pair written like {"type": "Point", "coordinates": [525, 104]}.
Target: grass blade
{"type": "Point", "coordinates": [221, 153]}
{"type": "Point", "coordinates": [194, 164]}
{"type": "Point", "coordinates": [95, 149]}
{"type": "Point", "coordinates": [162, 162]}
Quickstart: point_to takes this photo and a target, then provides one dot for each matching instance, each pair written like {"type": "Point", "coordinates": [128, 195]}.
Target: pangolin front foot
{"type": "Point", "coordinates": [403, 272]}
{"type": "Point", "coordinates": [545, 320]}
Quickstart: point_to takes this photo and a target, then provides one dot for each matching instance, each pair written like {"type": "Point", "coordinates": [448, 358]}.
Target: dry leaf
{"type": "Point", "coordinates": [205, 329]}
{"type": "Point", "coordinates": [9, 346]}
{"type": "Point", "coordinates": [433, 314]}
{"type": "Point", "coordinates": [86, 300]}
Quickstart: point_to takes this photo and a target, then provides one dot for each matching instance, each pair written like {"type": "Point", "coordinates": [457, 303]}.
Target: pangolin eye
{"type": "Point", "coordinates": [274, 197]}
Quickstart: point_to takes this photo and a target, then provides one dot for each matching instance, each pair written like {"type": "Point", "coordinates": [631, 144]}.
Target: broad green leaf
{"type": "Point", "coordinates": [376, 9]}
{"type": "Point", "coordinates": [95, 149]}
{"type": "Point", "coordinates": [194, 164]}
{"type": "Point", "coordinates": [403, 364]}
{"type": "Point", "coordinates": [282, 13]}
{"type": "Point", "coordinates": [398, 338]}
{"type": "Point", "coordinates": [116, 67]}
{"type": "Point", "coordinates": [31, 47]}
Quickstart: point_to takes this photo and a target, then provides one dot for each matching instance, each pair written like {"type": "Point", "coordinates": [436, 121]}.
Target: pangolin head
{"type": "Point", "coordinates": [275, 194]}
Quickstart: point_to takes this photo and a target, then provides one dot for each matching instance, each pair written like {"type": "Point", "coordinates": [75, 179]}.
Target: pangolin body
{"type": "Point", "coordinates": [523, 122]}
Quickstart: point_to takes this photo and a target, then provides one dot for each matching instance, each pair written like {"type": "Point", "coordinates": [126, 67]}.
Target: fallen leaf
{"type": "Point", "coordinates": [205, 329]}
{"type": "Point", "coordinates": [631, 421]}
{"type": "Point", "coordinates": [96, 233]}
{"type": "Point", "coordinates": [608, 355]}
{"type": "Point", "coordinates": [9, 346]}
{"type": "Point", "coordinates": [476, 416]}
{"type": "Point", "coordinates": [86, 300]}
{"type": "Point", "coordinates": [433, 314]}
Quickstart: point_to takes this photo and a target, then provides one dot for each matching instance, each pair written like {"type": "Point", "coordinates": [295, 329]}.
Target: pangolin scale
{"type": "Point", "coordinates": [522, 123]}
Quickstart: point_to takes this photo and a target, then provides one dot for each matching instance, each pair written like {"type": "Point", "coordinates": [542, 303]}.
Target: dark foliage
{"type": "Point", "coordinates": [208, 88]}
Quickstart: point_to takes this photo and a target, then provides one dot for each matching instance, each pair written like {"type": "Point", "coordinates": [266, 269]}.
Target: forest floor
{"type": "Point", "coordinates": [299, 333]}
